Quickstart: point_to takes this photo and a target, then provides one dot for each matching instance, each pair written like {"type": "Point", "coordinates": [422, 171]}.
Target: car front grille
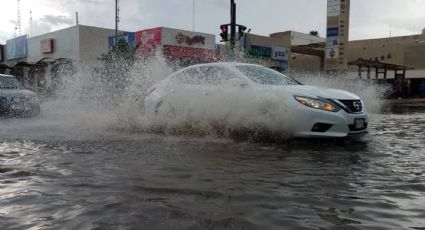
{"type": "Point", "coordinates": [352, 106]}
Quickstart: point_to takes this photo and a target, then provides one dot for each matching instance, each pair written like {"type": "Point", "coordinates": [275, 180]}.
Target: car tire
{"type": "Point", "coordinates": [35, 111]}
{"type": "Point", "coordinates": [165, 110]}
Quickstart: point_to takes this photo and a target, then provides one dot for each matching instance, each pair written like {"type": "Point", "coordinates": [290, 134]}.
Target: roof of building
{"type": "Point", "coordinates": [379, 65]}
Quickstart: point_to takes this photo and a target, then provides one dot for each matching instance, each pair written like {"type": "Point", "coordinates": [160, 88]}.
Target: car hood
{"type": "Point", "coordinates": [324, 92]}
{"type": "Point", "coordinates": [16, 93]}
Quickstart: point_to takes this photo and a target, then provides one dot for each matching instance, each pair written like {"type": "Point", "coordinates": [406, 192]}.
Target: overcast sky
{"type": "Point", "coordinates": [369, 18]}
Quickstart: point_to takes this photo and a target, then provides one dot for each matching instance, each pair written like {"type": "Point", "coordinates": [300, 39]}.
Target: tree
{"type": "Point", "coordinates": [117, 64]}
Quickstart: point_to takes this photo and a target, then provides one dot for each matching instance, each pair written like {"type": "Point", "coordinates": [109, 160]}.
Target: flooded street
{"type": "Point", "coordinates": [62, 177]}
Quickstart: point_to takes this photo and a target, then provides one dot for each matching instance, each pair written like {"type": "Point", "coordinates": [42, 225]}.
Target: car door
{"type": "Point", "coordinates": [222, 89]}
{"type": "Point", "coordinates": [187, 92]}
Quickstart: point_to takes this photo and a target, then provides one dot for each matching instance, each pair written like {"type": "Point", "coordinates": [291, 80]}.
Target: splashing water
{"type": "Point", "coordinates": [84, 104]}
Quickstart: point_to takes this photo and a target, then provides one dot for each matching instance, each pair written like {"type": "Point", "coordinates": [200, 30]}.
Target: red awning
{"type": "Point", "coordinates": [191, 53]}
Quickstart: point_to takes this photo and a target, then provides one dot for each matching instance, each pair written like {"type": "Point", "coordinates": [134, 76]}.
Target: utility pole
{"type": "Point", "coordinates": [232, 24]}
{"type": "Point", "coordinates": [30, 23]}
{"type": "Point", "coordinates": [76, 18]}
{"type": "Point", "coordinates": [116, 19]}
{"type": "Point", "coordinates": [19, 17]}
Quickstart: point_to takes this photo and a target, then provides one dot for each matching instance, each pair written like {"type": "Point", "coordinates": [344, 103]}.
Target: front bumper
{"type": "Point", "coordinates": [342, 124]}
{"type": "Point", "coordinates": [18, 108]}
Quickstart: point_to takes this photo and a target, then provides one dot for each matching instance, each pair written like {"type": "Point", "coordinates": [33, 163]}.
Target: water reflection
{"type": "Point", "coordinates": [95, 178]}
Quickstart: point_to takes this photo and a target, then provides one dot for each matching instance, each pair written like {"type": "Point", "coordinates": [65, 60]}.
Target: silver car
{"type": "Point", "coordinates": [15, 100]}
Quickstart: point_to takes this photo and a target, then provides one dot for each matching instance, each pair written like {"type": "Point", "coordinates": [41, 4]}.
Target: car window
{"type": "Point", "coordinates": [205, 75]}
{"type": "Point", "coordinates": [10, 83]}
{"type": "Point", "coordinates": [188, 76]}
{"type": "Point", "coordinates": [215, 75]}
{"type": "Point", "coordinates": [265, 76]}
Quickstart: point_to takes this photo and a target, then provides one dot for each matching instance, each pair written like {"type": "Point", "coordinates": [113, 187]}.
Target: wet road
{"type": "Point", "coordinates": [62, 177]}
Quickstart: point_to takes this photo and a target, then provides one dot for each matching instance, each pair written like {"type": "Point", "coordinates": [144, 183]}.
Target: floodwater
{"type": "Point", "coordinates": [83, 176]}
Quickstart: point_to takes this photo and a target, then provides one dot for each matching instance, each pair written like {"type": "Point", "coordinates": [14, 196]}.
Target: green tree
{"type": "Point", "coordinates": [117, 63]}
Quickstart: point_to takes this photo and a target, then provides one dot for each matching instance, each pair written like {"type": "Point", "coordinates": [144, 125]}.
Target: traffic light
{"type": "Point", "coordinates": [224, 32]}
{"type": "Point", "coordinates": [241, 30]}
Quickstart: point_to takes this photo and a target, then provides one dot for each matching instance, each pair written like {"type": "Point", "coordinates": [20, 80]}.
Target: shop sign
{"type": "Point", "coordinates": [332, 32]}
{"type": "Point", "coordinates": [46, 46]}
{"type": "Point", "coordinates": [332, 53]}
{"type": "Point", "coordinates": [16, 48]}
{"type": "Point", "coordinates": [333, 21]}
{"type": "Point", "coordinates": [148, 38]}
{"type": "Point", "coordinates": [333, 8]}
{"type": "Point", "coordinates": [192, 39]}
{"type": "Point", "coordinates": [184, 38]}
{"type": "Point", "coordinates": [280, 53]}
{"type": "Point", "coordinates": [127, 36]}
{"type": "Point", "coordinates": [332, 42]}
{"type": "Point", "coordinates": [260, 51]}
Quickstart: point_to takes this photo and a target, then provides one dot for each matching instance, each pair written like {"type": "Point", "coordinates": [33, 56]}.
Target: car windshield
{"type": "Point", "coordinates": [265, 76]}
{"type": "Point", "coordinates": [9, 83]}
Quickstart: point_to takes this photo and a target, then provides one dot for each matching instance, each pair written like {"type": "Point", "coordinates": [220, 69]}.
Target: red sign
{"type": "Point", "coordinates": [148, 40]}
{"type": "Point", "coordinates": [191, 53]}
{"type": "Point", "coordinates": [46, 46]}
{"type": "Point", "coordinates": [150, 37]}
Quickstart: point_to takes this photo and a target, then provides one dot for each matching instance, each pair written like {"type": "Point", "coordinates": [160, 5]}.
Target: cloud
{"type": "Point", "coordinates": [57, 20]}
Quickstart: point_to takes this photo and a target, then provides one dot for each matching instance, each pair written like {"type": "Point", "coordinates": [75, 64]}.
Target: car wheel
{"type": "Point", "coordinates": [35, 111]}
{"type": "Point", "coordinates": [165, 110]}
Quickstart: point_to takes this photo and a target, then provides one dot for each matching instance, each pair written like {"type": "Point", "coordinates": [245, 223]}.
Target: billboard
{"type": "Point", "coordinates": [187, 38]}
{"type": "Point", "coordinates": [16, 48]}
{"type": "Point", "coordinates": [129, 37]}
{"type": "Point", "coordinates": [337, 35]}
{"type": "Point", "coordinates": [46, 46]}
{"type": "Point", "coordinates": [150, 37]}
{"type": "Point", "coordinates": [280, 53]}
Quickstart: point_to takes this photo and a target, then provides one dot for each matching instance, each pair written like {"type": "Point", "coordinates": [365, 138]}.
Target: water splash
{"type": "Point", "coordinates": [86, 102]}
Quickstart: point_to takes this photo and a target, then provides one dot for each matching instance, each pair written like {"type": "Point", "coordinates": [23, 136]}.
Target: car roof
{"type": "Point", "coordinates": [231, 64]}
{"type": "Point", "coordinates": [6, 75]}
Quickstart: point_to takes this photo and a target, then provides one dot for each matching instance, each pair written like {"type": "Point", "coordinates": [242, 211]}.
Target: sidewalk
{"type": "Point", "coordinates": [406, 101]}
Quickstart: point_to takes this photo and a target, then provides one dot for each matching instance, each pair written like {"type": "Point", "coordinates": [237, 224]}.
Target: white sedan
{"type": "Point", "coordinates": [238, 95]}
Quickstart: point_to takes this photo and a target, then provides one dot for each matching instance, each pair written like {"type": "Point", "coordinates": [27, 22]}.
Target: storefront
{"type": "Point", "coordinates": [267, 51]}
{"type": "Point", "coordinates": [184, 47]}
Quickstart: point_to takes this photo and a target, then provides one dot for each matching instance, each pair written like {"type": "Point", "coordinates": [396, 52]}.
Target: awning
{"type": "Point", "coordinates": [191, 53]}
{"type": "Point", "coordinates": [379, 65]}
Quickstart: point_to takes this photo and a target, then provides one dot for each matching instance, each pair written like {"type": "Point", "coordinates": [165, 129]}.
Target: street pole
{"type": "Point", "coordinates": [116, 19]}
{"type": "Point", "coordinates": [232, 25]}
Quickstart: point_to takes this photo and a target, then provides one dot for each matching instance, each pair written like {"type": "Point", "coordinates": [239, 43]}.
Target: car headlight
{"type": "Point", "coordinates": [318, 103]}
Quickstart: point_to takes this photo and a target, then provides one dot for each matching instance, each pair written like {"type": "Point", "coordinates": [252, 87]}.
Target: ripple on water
{"type": "Point", "coordinates": [137, 180]}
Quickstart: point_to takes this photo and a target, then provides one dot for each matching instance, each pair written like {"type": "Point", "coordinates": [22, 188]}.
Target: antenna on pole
{"type": "Point", "coordinates": [19, 16]}
{"type": "Point", "coordinates": [76, 18]}
{"type": "Point", "coordinates": [116, 18]}
{"type": "Point", "coordinates": [30, 23]}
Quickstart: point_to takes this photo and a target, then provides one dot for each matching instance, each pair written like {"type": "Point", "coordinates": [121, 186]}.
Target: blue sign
{"type": "Point", "coordinates": [332, 32]}
{"type": "Point", "coordinates": [16, 48]}
{"type": "Point", "coordinates": [127, 36]}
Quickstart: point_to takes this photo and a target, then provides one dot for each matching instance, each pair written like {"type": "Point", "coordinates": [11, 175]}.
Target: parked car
{"type": "Point", "coordinates": [245, 91]}
{"type": "Point", "coordinates": [15, 100]}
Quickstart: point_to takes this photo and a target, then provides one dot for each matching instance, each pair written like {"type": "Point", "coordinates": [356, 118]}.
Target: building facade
{"type": "Point", "coordinates": [37, 61]}
{"type": "Point", "coordinates": [276, 51]}
{"type": "Point", "coordinates": [182, 46]}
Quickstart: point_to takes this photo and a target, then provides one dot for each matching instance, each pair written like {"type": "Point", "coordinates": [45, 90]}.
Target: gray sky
{"type": "Point", "coordinates": [369, 18]}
